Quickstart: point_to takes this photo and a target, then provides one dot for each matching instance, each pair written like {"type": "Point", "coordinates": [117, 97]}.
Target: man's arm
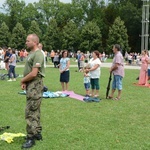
{"type": "Point", "coordinates": [114, 67]}
{"type": "Point", "coordinates": [30, 76]}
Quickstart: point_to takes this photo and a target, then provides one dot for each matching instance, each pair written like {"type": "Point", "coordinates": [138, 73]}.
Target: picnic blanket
{"type": "Point", "coordinates": [57, 94]}
{"type": "Point", "coordinates": [8, 137]}
{"type": "Point", "coordinates": [49, 94]}
{"type": "Point", "coordinates": [74, 95]}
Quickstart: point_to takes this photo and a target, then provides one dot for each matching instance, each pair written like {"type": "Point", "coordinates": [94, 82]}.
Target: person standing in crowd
{"type": "Point", "coordinates": [52, 54]}
{"type": "Point", "coordinates": [21, 54]}
{"type": "Point", "coordinates": [86, 81]}
{"type": "Point", "coordinates": [82, 62]}
{"type": "Point", "coordinates": [40, 46]}
{"type": "Point", "coordinates": [78, 59]}
{"type": "Point", "coordinates": [64, 70]}
{"type": "Point", "coordinates": [117, 70]}
{"type": "Point", "coordinates": [12, 65]}
{"type": "Point", "coordinates": [143, 78]}
{"type": "Point", "coordinates": [46, 54]}
{"type": "Point", "coordinates": [33, 84]}
{"type": "Point", "coordinates": [7, 55]}
{"type": "Point", "coordinates": [56, 60]}
{"type": "Point", "coordinates": [94, 65]}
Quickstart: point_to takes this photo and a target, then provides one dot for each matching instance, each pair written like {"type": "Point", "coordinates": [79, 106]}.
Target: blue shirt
{"type": "Point", "coordinates": [63, 63]}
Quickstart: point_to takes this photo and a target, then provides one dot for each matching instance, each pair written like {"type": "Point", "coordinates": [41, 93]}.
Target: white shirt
{"type": "Point", "coordinates": [86, 79]}
{"type": "Point", "coordinates": [95, 73]}
{"type": "Point", "coordinates": [44, 58]}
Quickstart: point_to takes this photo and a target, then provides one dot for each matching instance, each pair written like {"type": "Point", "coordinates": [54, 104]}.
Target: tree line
{"type": "Point", "coordinates": [82, 24]}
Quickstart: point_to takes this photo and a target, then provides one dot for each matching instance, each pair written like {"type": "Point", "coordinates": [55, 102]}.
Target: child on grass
{"type": "Point", "coordinates": [86, 81]}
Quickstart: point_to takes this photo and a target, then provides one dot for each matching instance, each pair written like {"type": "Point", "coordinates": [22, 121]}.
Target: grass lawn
{"type": "Point", "coordinates": [69, 124]}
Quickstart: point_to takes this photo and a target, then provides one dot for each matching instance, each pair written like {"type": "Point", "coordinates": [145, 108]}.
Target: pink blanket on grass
{"type": "Point", "coordinates": [74, 95]}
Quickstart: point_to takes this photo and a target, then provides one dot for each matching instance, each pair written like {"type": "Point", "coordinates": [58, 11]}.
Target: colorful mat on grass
{"type": "Point", "coordinates": [74, 95]}
{"type": "Point", "coordinates": [146, 86]}
{"type": "Point", "coordinates": [49, 94]}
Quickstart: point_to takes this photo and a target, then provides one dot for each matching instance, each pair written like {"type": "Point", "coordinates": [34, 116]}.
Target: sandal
{"type": "Point", "coordinates": [109, 97]}
{"type": "Point", "coordinates": [117, 98]}
{"type": "Point", "coordinates": [96, 96]}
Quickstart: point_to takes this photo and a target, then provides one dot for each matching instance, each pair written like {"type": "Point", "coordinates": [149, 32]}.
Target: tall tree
{"type": "Point", "coordinates": [91, 37]}
{"type": "Point", "coordinates": [5, 35]}
{"type": "Point", "coordinates": [14, 9]}
{"type": "Point", "coordinates": [118, 35]}
{"type": "Point", "coordinates": [34, 28]}
{"type": "Point", "coordinates": [48, 9]}
{"type": "Point", "coordinates": [71, 36]}
{"type": "Point", "coordinates": [18, 37]}
{"type": "Point", "coordinates": [52, 37]}
{"type": "Point", "coordinates": [29, 14]}
{"type": "Point", "coordinates": [131, 16]}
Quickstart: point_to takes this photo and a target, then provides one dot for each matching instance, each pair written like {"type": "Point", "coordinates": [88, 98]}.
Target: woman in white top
{"type": "Point", "coordinates": [64, 70]}
{"type": "Point", "coordinates": [94, 65]}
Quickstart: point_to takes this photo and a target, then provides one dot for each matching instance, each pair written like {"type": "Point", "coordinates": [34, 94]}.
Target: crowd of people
{"type": "Point", "coordinates": [89, 64]}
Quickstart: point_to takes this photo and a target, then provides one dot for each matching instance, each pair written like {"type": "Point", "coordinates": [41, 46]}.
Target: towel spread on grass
{"type": "Point", "coordinates": [8, 137]}
{"type": "Point", "coordinates": [49, 94]}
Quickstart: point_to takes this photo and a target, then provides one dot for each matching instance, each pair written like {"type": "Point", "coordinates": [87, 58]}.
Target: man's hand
{"type": "Point", "coordinates": [23, 86]}
{"type": "Point", "coordinates": [110, 70]}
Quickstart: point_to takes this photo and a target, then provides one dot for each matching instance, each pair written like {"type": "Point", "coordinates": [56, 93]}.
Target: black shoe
{"type": "Point", "coordinates": [38, 137]}
{"type": "Point", "coordinates": [29, 143]}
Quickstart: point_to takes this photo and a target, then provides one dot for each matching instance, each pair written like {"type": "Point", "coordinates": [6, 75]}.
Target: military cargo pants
{"type": "Point", "coordinates": [34, 91]}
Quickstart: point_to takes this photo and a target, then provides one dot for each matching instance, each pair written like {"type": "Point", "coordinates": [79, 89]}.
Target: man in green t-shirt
{"type": "Point", "coordinates": [33, 84]}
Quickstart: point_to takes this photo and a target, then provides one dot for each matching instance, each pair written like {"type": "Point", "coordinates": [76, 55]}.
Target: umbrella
{"type": "Point", "coordinates": [108, 86]}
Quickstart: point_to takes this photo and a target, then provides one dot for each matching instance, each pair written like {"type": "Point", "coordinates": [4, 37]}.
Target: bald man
{"type": "Point", "coordinates": [33, 84]}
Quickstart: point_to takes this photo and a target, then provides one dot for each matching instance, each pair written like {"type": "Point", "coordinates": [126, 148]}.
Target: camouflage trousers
{"type": "Point", "coordinates": [34, 92]}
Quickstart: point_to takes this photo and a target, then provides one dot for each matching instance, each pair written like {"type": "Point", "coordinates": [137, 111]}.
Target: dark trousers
{"type": "Point", "coordinates": [78, 64]}
{"type": "Point", "coordinates": [11, 71]}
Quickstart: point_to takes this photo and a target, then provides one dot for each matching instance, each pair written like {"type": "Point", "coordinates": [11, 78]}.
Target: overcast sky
{"type": "Point", "coordinates": [31, 1]}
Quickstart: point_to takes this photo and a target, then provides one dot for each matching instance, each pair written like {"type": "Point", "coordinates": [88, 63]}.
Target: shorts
{"type": "Point", "coordinates": [117, 82]}
{"type": "Point", "coordinates": [95, 84]}
{"type": "Point", "coordinates": [87, 86]}
{"type": "Point", "coordinates": [64, 77]}
{"type": "Point", "coordinates": [148, 72]}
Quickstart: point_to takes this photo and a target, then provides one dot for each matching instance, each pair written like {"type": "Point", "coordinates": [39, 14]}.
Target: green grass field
{"type": "Point", "coordinates": [69, 124]}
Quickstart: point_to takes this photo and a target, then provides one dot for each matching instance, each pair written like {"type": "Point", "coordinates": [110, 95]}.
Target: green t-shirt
{"type": "Point", "coordinates": [35, 60]}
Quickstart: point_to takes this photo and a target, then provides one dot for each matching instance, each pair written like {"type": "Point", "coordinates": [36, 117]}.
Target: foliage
{"type": "Point", "coordinates": [118, 35]}
{"type": "Point", "coordinates": [91, 37]}
{"type": "Point", "coordinates": [80, 12]}
{"type": "Point", "coordinates": [5, 34]}
{"type": "Point", "coordinates": [52, 37]}
{"type": "Point", "coordinates": [18, 37]}
{"type": "Point", "coordinates": [34, 28]}
{"type": "Point", "coordinates": [70, 36]}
